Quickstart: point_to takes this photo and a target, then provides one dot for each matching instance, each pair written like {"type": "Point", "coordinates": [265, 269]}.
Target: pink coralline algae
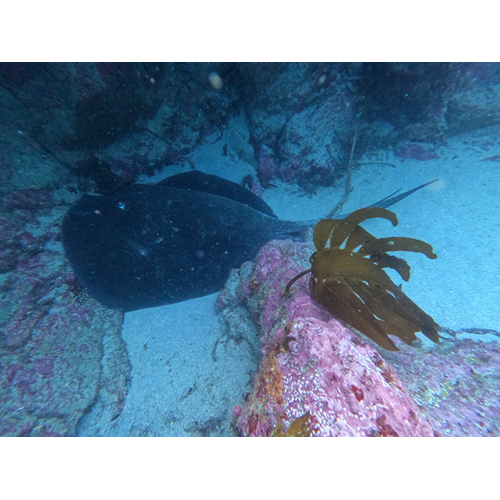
{"type": "Point", "coordinates": [50, 358]}
{"type": "Point", "coordinates": [257, 189]}
{"type": "Point", "coordinates": [456, 385]}
{"type": "Point", "coordinates": [268, 167]}
{"type": "Point", "coordinates": [312, 362]}
{"type": "Point", "coordinates": [52, 337]}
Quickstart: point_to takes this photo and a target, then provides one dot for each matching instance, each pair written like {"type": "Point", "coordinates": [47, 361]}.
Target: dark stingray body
{"type": "Point", "coordinates": [207, 183]}
{"type": "Point", "coordinates": [156, 244]}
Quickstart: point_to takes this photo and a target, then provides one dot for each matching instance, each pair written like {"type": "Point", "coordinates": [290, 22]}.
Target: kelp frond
{"type": "Point", "coordinates": [353, 286]}
{"type": "Point", "coordinates": [298, 428]}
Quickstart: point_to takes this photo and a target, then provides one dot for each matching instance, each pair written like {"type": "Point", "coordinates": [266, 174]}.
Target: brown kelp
{"type": "Point", "coordinates": [353, 286]}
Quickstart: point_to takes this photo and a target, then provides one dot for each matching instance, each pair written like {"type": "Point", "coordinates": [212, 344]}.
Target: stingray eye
{"type": "Point", "coordinates": [121, 205]}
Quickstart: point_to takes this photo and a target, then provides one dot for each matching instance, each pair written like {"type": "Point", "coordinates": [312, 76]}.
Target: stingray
{"type": "Point", "coordinates": [151, 245]}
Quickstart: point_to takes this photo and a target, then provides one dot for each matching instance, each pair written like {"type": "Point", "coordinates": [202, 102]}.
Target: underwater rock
{"type": "Point", "coordinates": [455, 385]}
{"type": "Point", "coordinates": [51, 351]}
{"type": "Point", "coordinates": [267, 165]}
{"type": "Point", "coordinates": [53, 336]}
{"type": "Point", "coordinates": [415, 151]}
{"type": "Point", "coordinates": [313, 363]}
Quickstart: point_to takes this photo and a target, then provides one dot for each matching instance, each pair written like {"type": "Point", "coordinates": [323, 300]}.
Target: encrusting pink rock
{"type": "Point", "coordinates": [312, 362]}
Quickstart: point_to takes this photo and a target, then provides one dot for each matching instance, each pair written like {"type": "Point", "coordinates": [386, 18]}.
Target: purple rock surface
{"type": "Point", "coordinates": [53, 336]}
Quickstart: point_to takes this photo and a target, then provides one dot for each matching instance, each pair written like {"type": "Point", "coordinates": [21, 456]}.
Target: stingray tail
{"type": "Point", "coordinates": [296, 231]}
{"type": "Point", "coordinates": [391, 199]}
